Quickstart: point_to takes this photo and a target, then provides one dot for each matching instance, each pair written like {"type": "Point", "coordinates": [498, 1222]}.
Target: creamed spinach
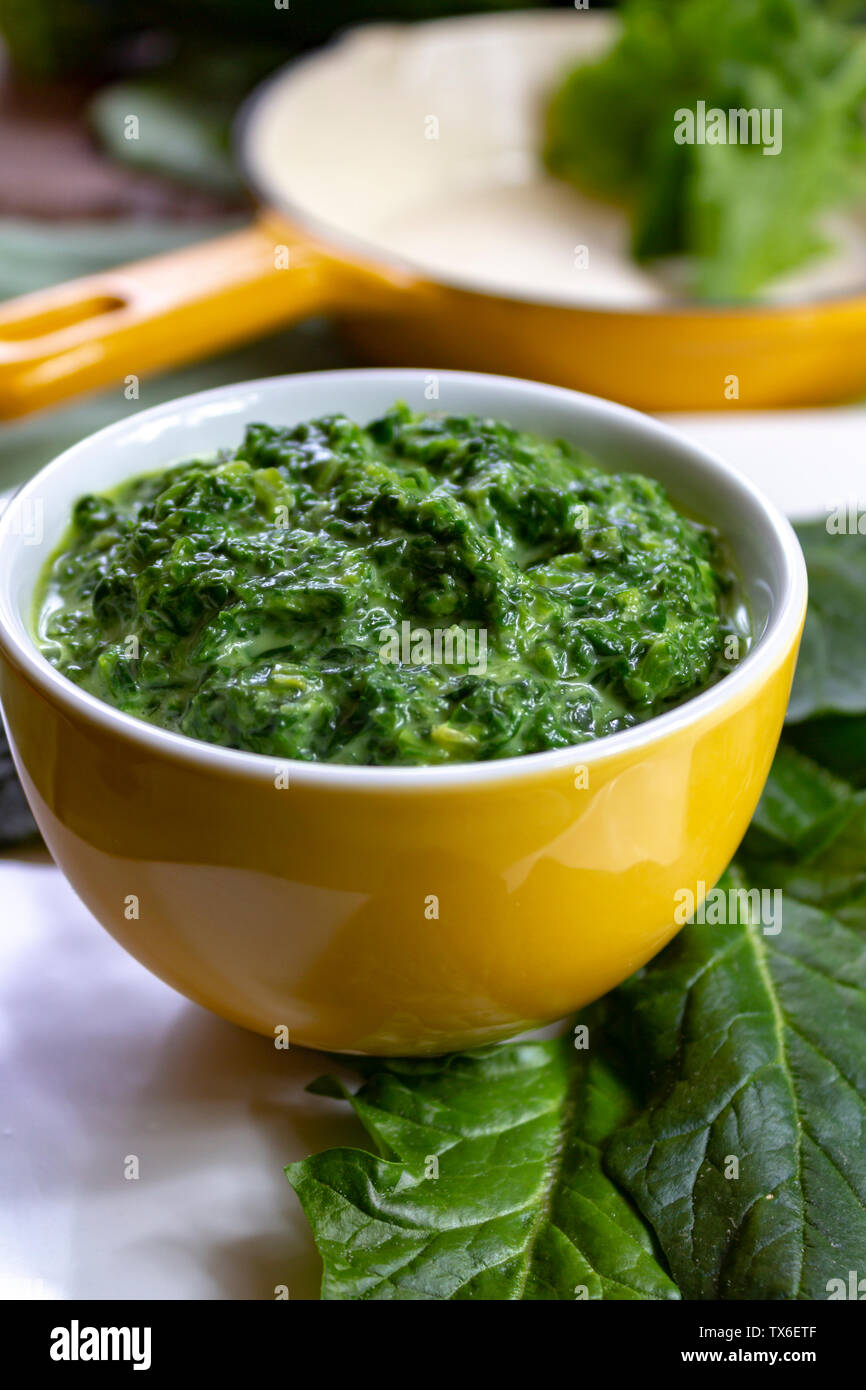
{"type": "Point", "coordinates": [420, 590]}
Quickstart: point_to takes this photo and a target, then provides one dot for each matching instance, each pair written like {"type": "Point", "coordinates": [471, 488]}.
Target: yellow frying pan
{"type": "Point", "coordinates": [398, 176]}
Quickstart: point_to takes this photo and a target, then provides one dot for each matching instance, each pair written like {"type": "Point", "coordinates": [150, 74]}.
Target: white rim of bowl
{"type": "Point", "coordinates": [784, 619]}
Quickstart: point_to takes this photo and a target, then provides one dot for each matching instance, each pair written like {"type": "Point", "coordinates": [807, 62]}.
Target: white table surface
{"type": "Point", "coordinates": [99, 1060]}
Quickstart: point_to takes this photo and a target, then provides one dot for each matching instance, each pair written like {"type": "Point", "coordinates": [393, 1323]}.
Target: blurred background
{"type": "Point", "coordinates": [76, 197]}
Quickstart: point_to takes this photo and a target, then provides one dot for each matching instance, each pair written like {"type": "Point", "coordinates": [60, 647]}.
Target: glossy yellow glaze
{"type": "Point", "coordinates": [310, 907]}
{"type": "Point", "coordinates": [695, 359]}
{"type": "Point", "coordinates": [188, 304]}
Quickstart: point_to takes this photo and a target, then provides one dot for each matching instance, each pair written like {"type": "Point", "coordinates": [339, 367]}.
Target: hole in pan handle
{"type": "Point", "coordinates": [161, 312]}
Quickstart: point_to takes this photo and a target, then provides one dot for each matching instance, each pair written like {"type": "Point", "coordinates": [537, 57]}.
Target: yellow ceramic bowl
{"type": "Point", "coordinates": [394, 910]}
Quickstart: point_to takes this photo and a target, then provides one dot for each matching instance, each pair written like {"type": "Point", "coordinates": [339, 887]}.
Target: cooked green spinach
{"type": "Point", "coordinates": [426, 589]}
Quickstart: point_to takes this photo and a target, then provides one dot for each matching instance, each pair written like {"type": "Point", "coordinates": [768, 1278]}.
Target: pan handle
{"type": "Point", "coordinates": [173, 308]}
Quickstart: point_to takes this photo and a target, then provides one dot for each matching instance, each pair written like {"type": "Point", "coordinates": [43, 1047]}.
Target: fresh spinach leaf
{"type": "Point", "coordinates": [833, 877]}
{"type": "Point", "coordinates": [826, 717]}
{"type": "Point", "coordinates": [803, 807]}
{"type": "Point", "coordinates": [837, 742]}
{"type": "Point", "coordinates": [749, 1157]}
{"type": "Point", "coordinates": [831, 670]}
{"type": "Point", "coordinates": [490, 1183]}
